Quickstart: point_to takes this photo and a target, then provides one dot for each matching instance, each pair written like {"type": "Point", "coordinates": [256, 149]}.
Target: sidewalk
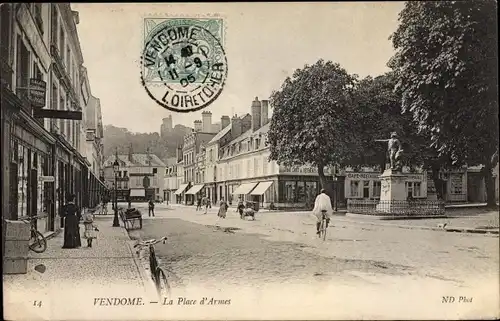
{"type": "Point", "coordinates": [74, 278]}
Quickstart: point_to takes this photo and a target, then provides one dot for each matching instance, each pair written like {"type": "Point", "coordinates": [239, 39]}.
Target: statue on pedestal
{"type": "Point", "coordinates": [395, 150]}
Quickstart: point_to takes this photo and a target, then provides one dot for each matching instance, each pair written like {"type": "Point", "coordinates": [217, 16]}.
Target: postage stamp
{"type": "Point", "coordinates": [183, 63]}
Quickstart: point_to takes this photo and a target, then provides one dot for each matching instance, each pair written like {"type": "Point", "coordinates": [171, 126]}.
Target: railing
{"type": "Point", "coordinates": [407, 208]}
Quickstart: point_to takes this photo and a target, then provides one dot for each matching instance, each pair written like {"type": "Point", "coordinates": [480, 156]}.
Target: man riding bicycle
{"type": "Point", "coordinates": [322, 204]}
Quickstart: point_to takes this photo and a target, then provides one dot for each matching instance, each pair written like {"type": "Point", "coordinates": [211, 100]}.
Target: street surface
{"type": "Point", "coordinates": [280, 252]}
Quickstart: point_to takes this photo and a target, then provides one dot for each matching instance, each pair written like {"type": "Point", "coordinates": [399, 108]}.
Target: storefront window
{"type": "Point", "coordinates": [366, 189]}
{"type": "Point", "coordinates": [311, 191]}
{"type": "Point", "coordinates": [301, 192]}
{"type": "Point", "coordinates": [22, 188]}
{"type": "Point", "coordinates": [376, 188]}
{"type": "Point", "coordinates": [456, 184]}
{"type": "Point", "coordinates": [354, 188]}
{"type": "Point", "coordinates": [288, 191]}
{"type": "Point", "coordinates": [416, 189]}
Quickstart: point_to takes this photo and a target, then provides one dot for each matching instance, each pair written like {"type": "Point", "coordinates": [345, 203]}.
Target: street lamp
{"type": "Point", "coordinates": [116, 168]}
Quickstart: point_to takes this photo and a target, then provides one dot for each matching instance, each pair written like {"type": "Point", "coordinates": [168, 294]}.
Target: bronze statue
{"type": "Point", "coordinates": [395, 151]}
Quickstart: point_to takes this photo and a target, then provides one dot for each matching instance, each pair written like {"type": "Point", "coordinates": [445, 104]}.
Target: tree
{"type": "Point", "coordinates": [312, 118]}
{"type": "Point", "coordinates": [446, 64]}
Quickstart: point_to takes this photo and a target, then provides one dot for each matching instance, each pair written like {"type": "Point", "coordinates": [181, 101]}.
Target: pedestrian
{"type": "Point", "coordinates": [240, 207]}
{"type": "Point", "coordinates": [71, 215]}
{"type": "Point", "coordinates": [151, 207]}
{"type": "Point", "coordinates": [206, 202]}
{"type": "Point", "coordinates": [222, 209]}
{"type": "Point", "coordinates": [198, 203]}
{"type": "Point", "coordinates": [90, 227]}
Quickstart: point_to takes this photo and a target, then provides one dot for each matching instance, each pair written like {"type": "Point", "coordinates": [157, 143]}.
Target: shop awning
{"type": "Point", "coordinates": [261, 188]}
{"type": "Point", "coordinates": [181, 189]}
{"type": "Point", "coordinates": [244, 189]}
{"type": "Point", "coordinates": [138, 192]}
{"type": "Point", "coordinates": [195, 189]}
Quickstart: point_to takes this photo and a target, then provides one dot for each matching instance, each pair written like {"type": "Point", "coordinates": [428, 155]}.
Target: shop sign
{"type": "Point", "coordinates": [37, 92]}
{"type": "Point", "coordinates": [46, 179]}
{"type": "Point", "coordinates": [363, 176]}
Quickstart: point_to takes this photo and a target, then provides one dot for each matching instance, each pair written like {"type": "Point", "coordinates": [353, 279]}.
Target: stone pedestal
{"type": "Point", "coordinates": [17, 236]}
{"type": "Point", "coordinates": [392, 193]}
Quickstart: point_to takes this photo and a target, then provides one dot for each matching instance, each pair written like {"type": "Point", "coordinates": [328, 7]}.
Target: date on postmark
{"type": "Point", "coordinates": [183, 63]}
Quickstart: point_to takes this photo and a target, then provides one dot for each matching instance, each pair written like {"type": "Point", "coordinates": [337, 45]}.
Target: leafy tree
{"type": "Point", "coordinates": [312, 118]}
{"type": "Point", "coordinates": [446, 63]}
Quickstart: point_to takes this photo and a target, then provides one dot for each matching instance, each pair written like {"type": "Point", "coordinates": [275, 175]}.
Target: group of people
{"type": "Point", "coordinates": [203, 202]}
{"type": "Point", "coordinates": [72, 216]}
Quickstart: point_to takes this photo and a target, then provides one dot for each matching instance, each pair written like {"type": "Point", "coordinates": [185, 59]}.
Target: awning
{"type": "Point", "coordinates": [138, 192]}
{"type": "Point", "coordinates": [195, 189]}
{"type": "Point", "coordinates": [181, 189]}
{"type": "Point", "coordinates": [244, 189]}
{"type": "Point", "coordinates": [261, 188]}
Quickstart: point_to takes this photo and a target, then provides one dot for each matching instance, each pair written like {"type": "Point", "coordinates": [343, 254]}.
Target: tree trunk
{"type": "Point", "coordinates": [490, 185]}
{"type": "Point", "coordinates": [324, 183]}
{"type": "Point", "coordinates": [438, 183]}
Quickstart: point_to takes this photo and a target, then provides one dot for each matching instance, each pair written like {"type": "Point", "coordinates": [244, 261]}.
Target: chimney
{"type": "Point", "coordinates": [264, 112]}
{"type": "Point", "coordinates": [224, 122]}
{"type": "Point", "coordinates": [256, 114]}
{"type": "Point", "coordinates": [246, 123]}
{"type": "Point", "coordinates": [76, 16]}
{"type": "Point", "coordinates": [206, 117]}
{"type": "Point", "coordinates": [198, 126]}
{"type": "Point", "coordinates": [235, 127]}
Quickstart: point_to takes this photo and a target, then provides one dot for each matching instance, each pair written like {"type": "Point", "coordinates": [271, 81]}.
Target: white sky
{"type": "Point", "coordinates": [265, 43]}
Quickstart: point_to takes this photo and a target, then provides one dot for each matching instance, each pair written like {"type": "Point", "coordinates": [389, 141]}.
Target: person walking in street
{"type": "Point", "coordinates": [206, 203]}
{"type": "Point", "coordinates": [151, 207]}
{"type": "Point", "coordinates": [322, 203]}
{"type": "Point", "coordinates": [198, 204]}
{"type": "Point", "coordinates": [90, 228]}
{"type": "Point", "coordinates": [222, 209]}
{"type": "Point", "coordinates": [71, 215]}
{"type": "Point", "coordinates": [240, 207]}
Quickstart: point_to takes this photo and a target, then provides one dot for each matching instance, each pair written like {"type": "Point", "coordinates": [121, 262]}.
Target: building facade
{"type": "Point", "coordinates": [140, 177]}
{"type": "Point", "coordinates": [171, 182]}
{"type": "Point", "coordinates": [40, 70]}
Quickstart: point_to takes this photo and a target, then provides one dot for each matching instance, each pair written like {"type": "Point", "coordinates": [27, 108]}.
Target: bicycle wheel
{"type": "Point", "coordinates": [323, 229]}
{"type": "Point", "coordinates": [162, 285]}
{"type": "Point", "coordinates": [38, 243]}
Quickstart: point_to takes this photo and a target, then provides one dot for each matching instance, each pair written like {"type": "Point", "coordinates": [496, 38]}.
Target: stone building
{"type": "Point", "coordinates": [41, 70]}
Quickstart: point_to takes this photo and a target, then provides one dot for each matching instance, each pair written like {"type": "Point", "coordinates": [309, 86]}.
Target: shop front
{"type": "Point", "coordinates": [31, 173]}
{"type": "Point", "coordinates": [179, 193]}
{"type": "Point", "coordinates": [296, 191]}
{"type": "Point", "coordinates": [195, 192]}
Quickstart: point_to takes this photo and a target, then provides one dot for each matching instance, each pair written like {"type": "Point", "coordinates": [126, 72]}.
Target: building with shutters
{"type": "Point", "coordinates": [140, 176]}
{"type": "Point", "coordinates": [43, 159]}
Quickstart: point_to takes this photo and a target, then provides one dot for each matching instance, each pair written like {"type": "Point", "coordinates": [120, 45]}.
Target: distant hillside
{"type": "Point", "coordinates": [121, 138]}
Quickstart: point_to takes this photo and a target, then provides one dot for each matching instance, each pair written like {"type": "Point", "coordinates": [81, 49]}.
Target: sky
{"type": "Point", "coordinates": [264, 43]}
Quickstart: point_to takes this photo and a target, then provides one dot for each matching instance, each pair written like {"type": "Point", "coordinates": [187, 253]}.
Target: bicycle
{"type": "Point", "coordinates": [157, 273]}
{"type": "Point", "coordinates": [322, 228]}
{"type": "Point", "coordinates": [37, 242]}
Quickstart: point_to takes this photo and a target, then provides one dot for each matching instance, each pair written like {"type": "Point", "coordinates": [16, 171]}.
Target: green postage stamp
{"type": "Point", "coordinates": [183, 63]}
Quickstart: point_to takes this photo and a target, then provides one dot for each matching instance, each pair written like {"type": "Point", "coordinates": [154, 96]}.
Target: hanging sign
{"type": "Point", "coordinates": [37, 92]}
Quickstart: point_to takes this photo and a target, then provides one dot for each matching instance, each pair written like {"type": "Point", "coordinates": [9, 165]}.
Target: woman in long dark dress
{"type": "Point", "coordinates": [71, 214]}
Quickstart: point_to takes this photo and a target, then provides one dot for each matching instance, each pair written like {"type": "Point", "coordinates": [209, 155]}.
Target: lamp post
{"type": "Point", "coordinates": [116, 168]}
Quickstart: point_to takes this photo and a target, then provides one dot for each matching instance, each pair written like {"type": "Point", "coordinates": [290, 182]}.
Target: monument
{"type": "Point", "coordinates": [393, 197]}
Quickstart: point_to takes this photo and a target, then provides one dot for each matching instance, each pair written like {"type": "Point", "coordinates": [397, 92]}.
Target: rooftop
{"type": "Point", "coordinates": [137, 160]}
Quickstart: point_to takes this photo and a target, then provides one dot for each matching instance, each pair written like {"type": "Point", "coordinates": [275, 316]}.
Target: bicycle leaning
{"type": "Point", "coordinates": [157, 273]}
{"type": "Point", "coordinates": [37, 242]}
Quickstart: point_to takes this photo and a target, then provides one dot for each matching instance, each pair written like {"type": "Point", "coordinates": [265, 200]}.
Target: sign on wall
{"type": "Point", "coordinates": [37, 92]}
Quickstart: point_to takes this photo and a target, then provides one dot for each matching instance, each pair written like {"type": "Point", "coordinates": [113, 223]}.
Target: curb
{"type": "Point", "coordinates": [147, 281]}
{"type": "Point", "coordinates": [394, 217]}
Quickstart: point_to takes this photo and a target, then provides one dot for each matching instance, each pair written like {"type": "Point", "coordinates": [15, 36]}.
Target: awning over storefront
{"type": "Point", "coordinates": [195, 189]}
{"type": "Point", "coordinates": [181, 189]}
{"type": "Point", "coordinates": [261, 188]}
{"type": "Point", "coordinates": [244, 189]}
{"type": "Point", "coordinates": [138, 192]}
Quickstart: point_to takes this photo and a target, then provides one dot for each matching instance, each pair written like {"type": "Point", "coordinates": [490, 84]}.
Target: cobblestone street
{"type": "Point", "coordinates": [280, 249]}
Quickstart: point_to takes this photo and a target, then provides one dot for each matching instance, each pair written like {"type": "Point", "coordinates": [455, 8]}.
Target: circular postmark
{"type": "Point", "coordinates": [184, 67]}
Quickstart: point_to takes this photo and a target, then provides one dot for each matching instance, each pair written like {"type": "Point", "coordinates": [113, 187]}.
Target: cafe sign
{"type": "Point", "coordinates": [37, 92]}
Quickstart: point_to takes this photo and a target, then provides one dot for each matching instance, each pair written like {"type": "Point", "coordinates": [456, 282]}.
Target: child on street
{"type": "Point", "coordinates": [90, 228]}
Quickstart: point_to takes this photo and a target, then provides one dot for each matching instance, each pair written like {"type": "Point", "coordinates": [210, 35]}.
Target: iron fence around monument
{"type": "Point", "coordinates": [391, 208]}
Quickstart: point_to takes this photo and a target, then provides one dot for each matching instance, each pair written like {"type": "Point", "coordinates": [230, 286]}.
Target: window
{"type": "Point", "coordinates": [416, 189]}
{"type": "Point", "coordinates": [62, 43]}
{"type": "Point", "coordinates": [301, 192]}
{"type": "Point", "coordinates": [456, 184]}
{"type": "Point", "coordinates": [255, 166]}
{"type": "Point", "coordinates": [376, 189]}
{"type": "Point", "coordinates": [62, 105]}
{"type": "Point", "coordinates": [289, 191]}
{"type": "Point", "coordinates": [125, 173]}
{"type": "Point", "coordinates": [54, 22]}
{"type": "Point", "coordinates": [354, 188]}
{"type": "Point", "coordinates": [264, 166]}
{"type": "Point", "coordinates": [409, 189]}
{"type": "Point", "coordinates": [22, 68]}
{"type": "Point", "coordinates": [366, 189]}
{"type": "Point", "coordinates": [249, 165]}
{"type": "Point", "coordinates": [38, 16]}
{"type": "Point", "coordinates": [257, 143]}
{"type": "Point", "coordinates": [311, 191]}
{"type": "Point", "coordinates": [5, 28]}
{"type": "Point", "coordinates": [155, 170]}
{"type": "Point", "coordinates": [54, 97]}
